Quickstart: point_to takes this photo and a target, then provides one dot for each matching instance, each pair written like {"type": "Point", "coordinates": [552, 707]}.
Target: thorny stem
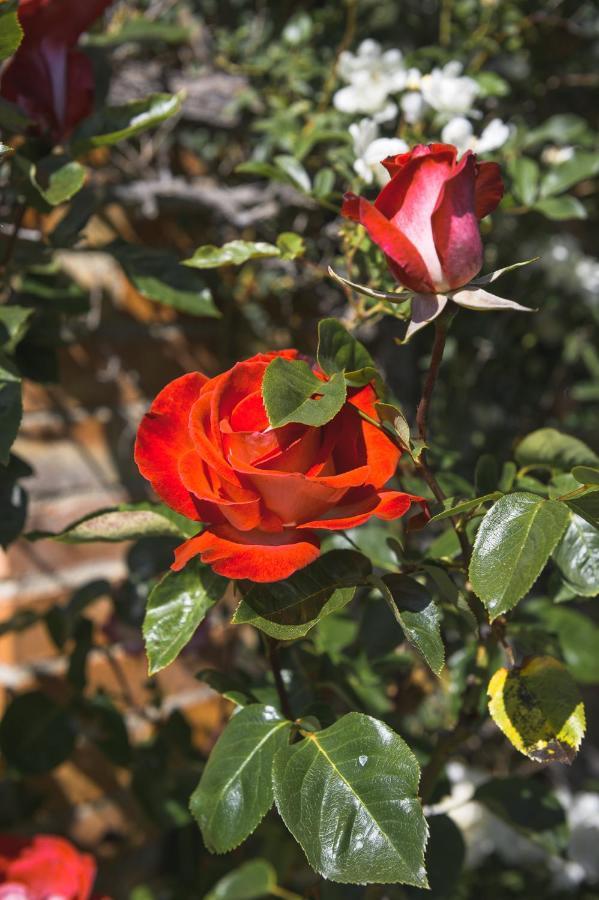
{"type": "Point", "coordinates": [275, 665]}
{"type": "Point", "coordinates": [441, 327]}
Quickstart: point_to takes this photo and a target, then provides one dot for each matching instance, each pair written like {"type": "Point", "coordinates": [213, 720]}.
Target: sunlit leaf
{"type": "Point", "coordinates": [235, 791]}
{"type": "Point", "coordinates": [539, 709]}
{"type": "Point", "coordinates": [57, 178]}
{"type": "Point", "coordinates": [289, 609]}
{"type": "Point", "coordinates": [577, 556]}
{"type": "Point", "coordinates": [129, 521]}
{"type": "Point", "coordinates": [348, 794]}
{"type": "Point", "coordinates": [116, 123]}
{"type": "Point", "coordinates": [288, 390]}
{"type": "Point", "coordinates": [252, 880]}
{"type": "Point", "coordinates": [418, 615]}
{"type": "Point", "coordinates": [513, 543]}
{"type": "Point", "coordinates": [11, 33]}
{"type": "Point", "coordinates": [176, 606]}
{"type": "Point", "coordinates": [235, 253]}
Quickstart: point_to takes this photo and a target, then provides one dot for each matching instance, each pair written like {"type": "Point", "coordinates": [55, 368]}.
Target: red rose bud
{"type": "Point", "coordinates": [425, 219]}
{"type": "Point", "coordinates": [208, 450]}
{"type": "Point", "coordinates": [44, 866]}
{"type": "Point", "coordinates": [47, 78]}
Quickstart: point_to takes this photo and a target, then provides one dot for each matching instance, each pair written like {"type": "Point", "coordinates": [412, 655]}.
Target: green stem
{"type": "Point", "coordinates": [275, 665]}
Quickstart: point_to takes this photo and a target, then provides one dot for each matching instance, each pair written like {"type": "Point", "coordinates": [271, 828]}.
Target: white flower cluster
{"type": "Point", "coordinates": [375, 78]}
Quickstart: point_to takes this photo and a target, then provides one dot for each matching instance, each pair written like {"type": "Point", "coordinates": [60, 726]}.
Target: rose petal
{"type": "Point", "coordinates": [455, 226]}
{"type": "Point", "coordinates": [163, 439]}
{"type": "Point", "coordinates": [489, 188]}
{"type": "Point", "coordinates": [421, 184]}
{"type": "Point", "coordinates": [254, 555]}
{"type": "Point", "coordinates": [405, 261]}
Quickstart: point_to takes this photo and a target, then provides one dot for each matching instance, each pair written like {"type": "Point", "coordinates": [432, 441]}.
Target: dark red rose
{"type": "Point", "coordinates": [47, 78]}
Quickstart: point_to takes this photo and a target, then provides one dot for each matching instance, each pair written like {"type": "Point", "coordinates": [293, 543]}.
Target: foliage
{"type": "Point", "coordinates": [417, 660]}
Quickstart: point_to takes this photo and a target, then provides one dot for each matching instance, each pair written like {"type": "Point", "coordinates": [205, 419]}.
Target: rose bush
{"type": "Point", "coordinates": [425, 219]}
{"type": "Point", "coordinates": [47, 78]}
{"type": "Point", "coordinates": [44, 867]}
{"type": "Point", "coordinates": [208, 449]}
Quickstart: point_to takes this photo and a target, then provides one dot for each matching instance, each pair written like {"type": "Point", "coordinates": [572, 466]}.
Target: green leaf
{"type": "Point", "coordinates": [250, 881]}
{"type": "Point", "coordinates": [176, 606]}
{"type": "Point", "coordinates": [458, 509]}
{"type": "Point", "coordinates": [339, 351]}
{"type": "Point", "coordinates": [525, 179]}
{"type": "Point", "coordinates": [11, 407]}
{"type": "Point", "coordinates": [578, 639]}
{"type": "Point", "coordinates": [549, 447]}
{"type": "Point", "coordinates": [129, 521]}
{"type": "Point", "coordinates": [565, 128]}
{"type": "Point", "coordinates": [324, 182]}
{"type": "Point", "coordinates": [296, 173]}
{"type": "Point", "coordinates": [586, 506]}
{"type": "Point", "coordinates": [559, 178]}
{"type": "Point", "coordinates": [288, 609]}
{"type": "Point", "coordinates": [11, 33]}
{"type": "Point", "coordinates": [561, 208]}
{"type": "Point", "coordinates": [514, 541]}
{"type": "Point", "coordinates": [235, 253]}
{"type": "Point", "coordinates": [524, 803]}
{"type": "Point", "coordinates": [158, 275]}
{"type": "Point", "coordinates": [539, 709]}
{"type": "Point", "coordinates": [235, 791]}
{"type": "Point", "coordinates": [418, 615]}
{"type": "Point", "coordinates": [348, 794]}
{"type": "Point", "coordinates": [288, 390]}
{"type": "Point", "coordinates": [577, 556]}
{"type": "Point", "coordinates": [492, 85]}
{"type": "Point", "coordinates": [36, 734]}
{"type": "Point", "coordinates": [586, 474]}
{"type": "Point", "coordinates": [290, 245]}
{"type": "Point", "coordinates": [13, 325]}
{"type": "Point", "coordinates": [57, 178]}
{"type": "Point", "coordinates": [116, 123]}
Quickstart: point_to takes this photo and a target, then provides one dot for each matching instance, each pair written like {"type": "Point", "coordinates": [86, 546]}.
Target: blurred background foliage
{"type": "Point", "coordinates": [263, 145]}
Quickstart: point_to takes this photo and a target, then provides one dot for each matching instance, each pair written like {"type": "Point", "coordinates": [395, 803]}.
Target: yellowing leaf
{"type": "Point", "coordinates": [539, 709]}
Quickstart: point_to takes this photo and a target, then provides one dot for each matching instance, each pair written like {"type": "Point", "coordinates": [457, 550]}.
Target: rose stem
{"type": "Point", "coordinates": [441, 328]}
{"type": "Point", "coordinates": [275, 665]}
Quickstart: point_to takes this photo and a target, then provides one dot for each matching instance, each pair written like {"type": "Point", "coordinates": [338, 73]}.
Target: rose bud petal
{"type": "Point", "coordinates": [425, 219]}
{"type": "Point", "coordinates": [210, 453]}
{"type": "Point", "coordinates": [45, 866]}
{"type": "Point", "coordinates": [47, 78]}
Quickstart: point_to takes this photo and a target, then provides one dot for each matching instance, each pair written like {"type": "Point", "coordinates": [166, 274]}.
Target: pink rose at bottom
{"type": "Point", "coordinates": [44, 867]}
